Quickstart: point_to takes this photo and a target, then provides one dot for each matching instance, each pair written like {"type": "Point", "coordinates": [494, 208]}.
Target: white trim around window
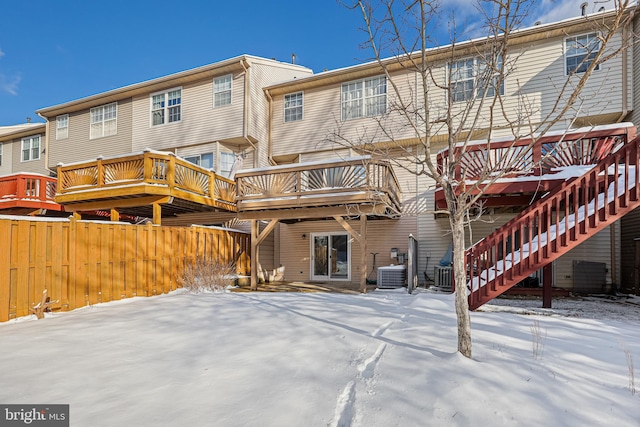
{"type": "Point", "coordinates": [222, 87]}
{"type": "Point", "coordinates": [471, 78]}
{"type": "Point", "coordinates": [579, 52]}
{"type": "Point", "coordinates": [62, 126]}
{"type": "Point", "coordinates": [30, 148]}
{"type": "Point", "coordinates": [293, 107]}
{"type": "Point", "coordinates": [103, 121]}
{"type": "Point", "coordinates": [166, 107]}
{"type": "Point", "coordinates": [364, 98]}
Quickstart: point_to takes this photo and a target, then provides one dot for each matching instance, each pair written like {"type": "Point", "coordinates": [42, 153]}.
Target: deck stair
{"type": "Point", "coordinates": [561, 220]}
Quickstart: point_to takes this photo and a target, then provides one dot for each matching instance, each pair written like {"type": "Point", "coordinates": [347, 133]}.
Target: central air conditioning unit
{"type": "Point", "coordinates": [392, 276]}
{"type": "Point", "coordinates": [443, 277]}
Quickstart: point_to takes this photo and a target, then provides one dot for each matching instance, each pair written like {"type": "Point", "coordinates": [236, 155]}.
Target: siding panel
{"type": "Point", "coordinates": [78, 147]}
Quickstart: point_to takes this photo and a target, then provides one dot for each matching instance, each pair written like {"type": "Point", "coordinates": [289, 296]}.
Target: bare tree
{"type": "Point", "coordinates": [459, 97]}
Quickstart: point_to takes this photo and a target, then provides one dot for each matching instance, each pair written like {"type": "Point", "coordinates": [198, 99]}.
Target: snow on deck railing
{"type": "Point", "coordinates": [554, 224]}
{"type": "Point", "coordinates": [148, 167]}
{"type": "Point", "coordinates": [526, 156]}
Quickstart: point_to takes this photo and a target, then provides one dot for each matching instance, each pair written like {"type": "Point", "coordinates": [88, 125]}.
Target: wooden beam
{"type": "Point", "coordinates": [157, 213]}
{"type": "Point", "coordinates": [547, 282]}
{"type": "Point", "coordinates": [349, 229]}
{"type": "Point", "coordinates": [310, 213]}
{"type": "Point", "coordinates": [91, 192]}
{"type": "Point", "coordinates": [256, 238]}
{"type": "Point", "coordinates": [254, 254]}
{"type": "Point", "coordinates": [109, 204]}
{"type": "Point", "coordinates": [115, 215]}
{"type": "Point", "coordinates": [363, 254]}
{"type": "Point", "coordinates": [266, 231]}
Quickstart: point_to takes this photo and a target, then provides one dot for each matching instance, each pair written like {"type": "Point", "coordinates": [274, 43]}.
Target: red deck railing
{"type": "Point", "coordinates": [555, 224]}
{"type": "Point", "coordinates": [28, 191]}
{"type": "Point", "coordinates": [540, 160]}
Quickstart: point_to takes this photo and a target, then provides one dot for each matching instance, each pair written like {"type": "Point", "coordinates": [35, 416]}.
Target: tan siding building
{"type": "Point", "coordinates": [29, 137]}
{"type": "Point", "coordinates": [216, 110]}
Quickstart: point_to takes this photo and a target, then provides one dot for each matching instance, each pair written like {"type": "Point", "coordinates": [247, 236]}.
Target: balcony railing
{"type": "Point", "coordinates": [28, 190]}
{"type": "Point", "coordinates": [351, 181]}
{"type": "Point", "coordinates": [586, 146]}
{"type": "Point", "coordinates": [156, 172]}
{"type": "Point", "coordinates": [555, 224]}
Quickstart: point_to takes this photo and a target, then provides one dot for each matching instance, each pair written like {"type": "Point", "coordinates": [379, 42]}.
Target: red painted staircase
{"type": "Point", "coordinates": [555, 224]}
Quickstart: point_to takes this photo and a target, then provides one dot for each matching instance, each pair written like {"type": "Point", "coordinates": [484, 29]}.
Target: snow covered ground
{"type": "Point", "coordinates": [303, 359]}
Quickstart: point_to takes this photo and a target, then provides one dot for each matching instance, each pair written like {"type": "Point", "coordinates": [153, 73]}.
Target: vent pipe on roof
{"type": "Point", "coordinates": [583, 8]}
{"type": "Point", "coordinates": [293, 58]}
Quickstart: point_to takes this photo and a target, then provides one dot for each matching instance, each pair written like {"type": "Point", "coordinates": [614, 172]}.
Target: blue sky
{"type": "Point", "coordinates": [54, 52]}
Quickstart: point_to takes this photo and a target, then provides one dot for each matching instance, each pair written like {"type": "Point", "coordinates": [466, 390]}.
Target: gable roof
{"type": "Point", "coordinates": [447, 52]}
{"type": "Point", "coordinates": [8, 133]}
{"type": "Point", "coordinates": [237, 63]}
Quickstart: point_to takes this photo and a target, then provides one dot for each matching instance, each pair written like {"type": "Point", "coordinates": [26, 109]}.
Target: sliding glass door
{"type": "Point", "coordinates": [330, 256]}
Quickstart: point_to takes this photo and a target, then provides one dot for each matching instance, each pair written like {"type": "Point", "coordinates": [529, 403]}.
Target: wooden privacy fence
{"type": "Point", "coordinates": [82, 263]}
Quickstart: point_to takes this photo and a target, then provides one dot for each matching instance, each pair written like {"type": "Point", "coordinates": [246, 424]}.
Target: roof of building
{"type": "Point", "coordinates": [147, 86]}
{"type": "Point", "coordinates": [444, 53]}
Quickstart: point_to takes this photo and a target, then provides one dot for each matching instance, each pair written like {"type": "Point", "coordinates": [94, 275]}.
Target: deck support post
{"type": "Point", "coordinates": [256, 238]}
{"type": "Point", "coordinates": [547, 281]}
{"type": "Point", "coordinates": [157, 214]}
{"type": "Point", "coordinates": [77, 216]}
{"type": "Point", "coordinates": [254, 254]}
{"type": "Point", "coordinates": [363, 254]}
{"type": "Point", "coordinates": [115, 215]}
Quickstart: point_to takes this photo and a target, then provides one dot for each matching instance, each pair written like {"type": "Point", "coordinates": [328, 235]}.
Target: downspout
{"type": "Point", "coordinates": [625, 111]}
{"type": "Point", "coordinates": [269, 137]}
{"type": "Point", "coordinates": [46, 144]}
{"type": "Point", "coordinates": [625, 56]}
{"type": "Point", "coordinates": [245, 124]}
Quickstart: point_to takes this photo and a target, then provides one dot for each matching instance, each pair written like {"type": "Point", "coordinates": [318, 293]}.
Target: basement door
{"type": "Point", "coordinates": [330, 256]}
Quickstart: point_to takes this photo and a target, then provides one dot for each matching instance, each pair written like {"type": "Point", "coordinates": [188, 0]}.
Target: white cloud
{"type": "Point", "coordinates": [9, 84]}
{"type": "Point", "coordinates": [1, 53]}
{"type": "Point", "coordinates": [557, 10]}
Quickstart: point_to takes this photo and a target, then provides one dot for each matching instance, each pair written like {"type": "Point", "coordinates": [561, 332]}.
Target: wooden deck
{"type": "Point", "coordinates": [27, 193]}
{"type": "Point", "coordinates": [535, 167]}
{"type": "Point", "coordinates": [151, 184]}
{"type": "Point", "coordinates": [318, 190]}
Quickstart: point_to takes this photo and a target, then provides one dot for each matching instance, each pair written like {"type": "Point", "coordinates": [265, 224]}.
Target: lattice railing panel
{"type": "Point", "coordinates": [130, 170]}
{"type": "Point", "coordinates": [506, 160]}
{"type": "Point", "coordinates": [79, 177]}
{"type": "Point", "coordinates": [272, 184]}
{"type": "Point", "coordinates": [191, 179]}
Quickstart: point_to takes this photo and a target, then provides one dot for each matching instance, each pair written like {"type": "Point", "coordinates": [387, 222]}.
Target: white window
{"type": "Point", "coordinates": [62, 126]}
{"type": "Point", "coordinates": [226, 163]}
{"type": "Point", "coordinates": [462, 80]}
{"type": "Point", "coordinates": [489, 77]}
{"type": "Point", "coordinates": [166, 107]}
{"type": "Point", "coordinates": [580, 52]}
{"type": "Point", "coordinates": [104, 120]}
{"type": "Point", "coordinates": [222, 91]}
{"type": "Point", "coordinates": [293, 107]}
{"type": "Point", "coordinates": [205, 160]}
{"type": "Point", "coordinates": [364, 98]}
{"type": "Point", "coordinates": [31, 148]}
{"type": "Point", "coordinates": [473, 77]}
